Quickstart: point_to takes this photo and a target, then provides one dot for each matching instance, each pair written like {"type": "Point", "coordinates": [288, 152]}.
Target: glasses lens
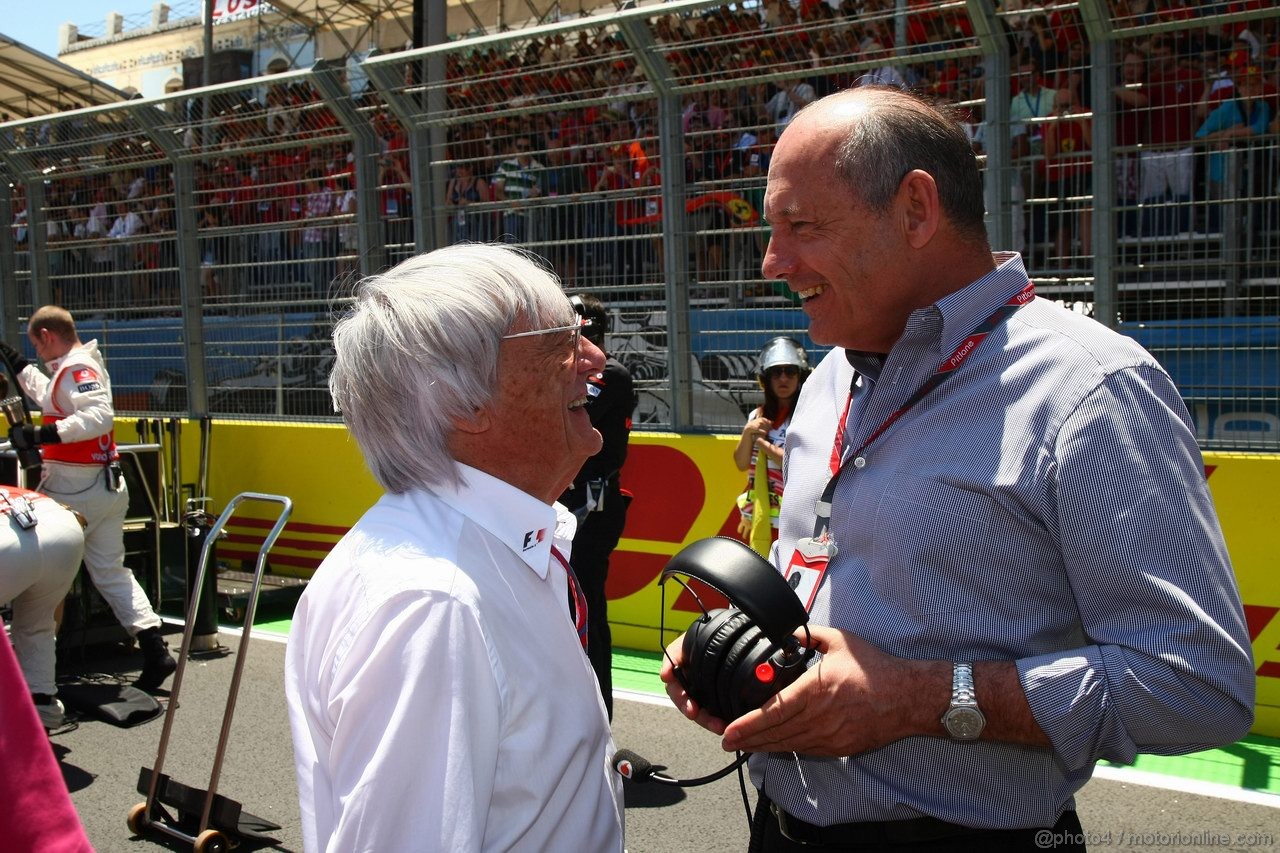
{"type": "Point", "coordinates": [784, 370]}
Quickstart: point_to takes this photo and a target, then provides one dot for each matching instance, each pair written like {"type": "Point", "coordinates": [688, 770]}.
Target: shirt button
{"type": "Point", "coordinates": [860, 462]}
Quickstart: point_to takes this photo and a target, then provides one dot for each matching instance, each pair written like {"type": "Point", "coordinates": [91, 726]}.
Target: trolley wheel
{"type": "Point", "coordinates": [137, 819]}
{"type": "Point", "coordinates": [211, 841]}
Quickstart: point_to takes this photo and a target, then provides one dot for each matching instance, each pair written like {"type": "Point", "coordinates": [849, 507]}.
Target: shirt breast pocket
{"type": "Point", "coordinates": [931, 542]}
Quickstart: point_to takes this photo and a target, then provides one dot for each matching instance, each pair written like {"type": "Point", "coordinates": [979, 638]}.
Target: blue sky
{"type": "Point", "coordinates": [36, 24]}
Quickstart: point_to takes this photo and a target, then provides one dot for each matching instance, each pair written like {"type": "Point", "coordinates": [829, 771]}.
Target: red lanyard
{"type": "Point", "coordinates": [576, 598]}
{"type": "Point", "coordinates": [945, 370]}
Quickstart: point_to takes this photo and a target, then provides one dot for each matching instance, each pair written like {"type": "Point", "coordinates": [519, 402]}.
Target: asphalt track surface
{"type": "Point", "coordinates": [101, 763]}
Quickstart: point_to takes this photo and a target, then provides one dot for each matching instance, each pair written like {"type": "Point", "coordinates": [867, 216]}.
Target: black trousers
{"type": "Point", "coordinates": [923, 834]}
{"type": "Point", "coordinates": [595, 540]}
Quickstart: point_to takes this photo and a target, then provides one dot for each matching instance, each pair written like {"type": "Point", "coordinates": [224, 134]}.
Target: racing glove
{"type": "Point", "coordinates": [16, 361]}
{"type": "Point", "coordinates": [27, 436]}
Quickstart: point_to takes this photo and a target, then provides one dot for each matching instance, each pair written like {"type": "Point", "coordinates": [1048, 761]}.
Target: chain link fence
{"type": "Point", "coordinates": [206, 237]}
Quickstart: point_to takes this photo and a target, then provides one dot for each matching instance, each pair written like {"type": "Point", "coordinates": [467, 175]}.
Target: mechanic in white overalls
{"type": "Point", "coordinates": [82, 470]}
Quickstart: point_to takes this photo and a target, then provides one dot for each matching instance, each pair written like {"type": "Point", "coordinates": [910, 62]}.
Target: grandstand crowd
{"type": "Point", "coordinates": [556, 146]}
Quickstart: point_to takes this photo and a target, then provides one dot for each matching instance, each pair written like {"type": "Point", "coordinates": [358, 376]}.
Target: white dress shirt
{"type": "Point", "coordinates": [438, 694]}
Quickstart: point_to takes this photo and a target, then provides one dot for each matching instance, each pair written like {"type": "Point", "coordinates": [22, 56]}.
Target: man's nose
{"type": "Point", "coordinates": [776, 264]}
{"type": "Point", "coordinates": [591, 354]}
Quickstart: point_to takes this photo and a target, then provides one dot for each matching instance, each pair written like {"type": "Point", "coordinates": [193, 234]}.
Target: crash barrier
{"type": "Point", "coordinates": [685, 489]}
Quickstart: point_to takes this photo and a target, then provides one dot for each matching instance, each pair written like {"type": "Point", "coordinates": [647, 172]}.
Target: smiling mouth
{"type": "Point", "coordinates": [579, 403]}
{"type": "Point", "coordinates": [806, 295]}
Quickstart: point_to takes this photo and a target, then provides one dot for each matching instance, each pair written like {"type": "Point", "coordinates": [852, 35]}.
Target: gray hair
{"type": "Point", "coordinates": [901, 133]}
{"type": "Point", "coordinates": [418, 351]}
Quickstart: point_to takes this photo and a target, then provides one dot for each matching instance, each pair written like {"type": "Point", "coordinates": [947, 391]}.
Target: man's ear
{"type": "Point", "coordinates": [920, 208]}
{"type": "Point", "coordinates": [476, 423]}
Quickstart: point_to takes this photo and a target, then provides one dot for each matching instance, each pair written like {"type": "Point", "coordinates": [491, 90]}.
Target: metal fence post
{"type": "Point", "coordinates": [188, 250]}
{"type": "Point", "coordinates": [9, 300]}
{"type": "Point", "coordinates": [998, 186]}
{"type": "Point", "coordinates": [1097, 24]}
{"type": "Point", "coordinates": [427, 233]}
{"type": "Point", "coordinates": [675, 222]}
{"type": "Point", "coordinates": [364, 147]}
{"type": "Point", "coordinates": [38, 241]}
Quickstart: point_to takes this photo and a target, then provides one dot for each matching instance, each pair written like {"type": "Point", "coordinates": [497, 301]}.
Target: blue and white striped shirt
{"type": "Point", "coordinates": [1046, 505]}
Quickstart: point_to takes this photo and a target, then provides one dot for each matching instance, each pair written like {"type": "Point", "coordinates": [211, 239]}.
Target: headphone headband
{"type": "Point", "coordinates": [748, 580]}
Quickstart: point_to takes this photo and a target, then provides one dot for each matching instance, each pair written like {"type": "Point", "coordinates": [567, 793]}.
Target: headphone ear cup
{"type": "Point", "coordinates": [705, 645]}
{"type": "Point", "coordinates": [746, 691]}
{"type": "Point", "coordinates": [744, 649]}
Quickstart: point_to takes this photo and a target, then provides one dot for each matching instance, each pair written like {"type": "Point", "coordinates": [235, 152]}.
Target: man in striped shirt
{"type": "Point", "coordinates": [1025, 571]}
{"type": "Point", "coordinates": [518, 178]}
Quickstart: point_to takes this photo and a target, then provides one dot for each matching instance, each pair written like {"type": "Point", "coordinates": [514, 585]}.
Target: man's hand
{"type": "Point", "coordinates": [685, 703]}
{"type": "Point", "coordinates": [16, 361]}
{"type": "Point", "coordinates": [855, 699]}
{"type": "Point", "coordinates": [27, 436]}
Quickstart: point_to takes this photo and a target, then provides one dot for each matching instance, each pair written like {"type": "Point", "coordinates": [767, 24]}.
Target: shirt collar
{"type": "Point", "coordinates": [965, 309]}
{"type": "Point", "coordinates": [91, 348]}
{"type": "Point", "coordinates": [958, 313]}
{"type": "Point", "coordinates": [868, 364]}
{"type": "Point", "coordinates": [520, 521]}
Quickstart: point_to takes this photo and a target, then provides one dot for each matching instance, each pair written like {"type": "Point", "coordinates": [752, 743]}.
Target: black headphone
{"type": "Point", "coordinates": [736, 658]}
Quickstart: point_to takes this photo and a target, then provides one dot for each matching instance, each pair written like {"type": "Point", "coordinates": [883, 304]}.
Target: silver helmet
{"type": "Point", "coordinates": [783, 350]}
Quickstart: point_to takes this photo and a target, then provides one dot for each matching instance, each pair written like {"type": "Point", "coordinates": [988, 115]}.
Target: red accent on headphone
{"type": "Point", "coordinates": [764, 672]}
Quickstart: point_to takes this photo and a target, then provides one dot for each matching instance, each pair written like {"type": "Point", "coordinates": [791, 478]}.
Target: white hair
{"type": "Point", "coordinates": [418, 351]}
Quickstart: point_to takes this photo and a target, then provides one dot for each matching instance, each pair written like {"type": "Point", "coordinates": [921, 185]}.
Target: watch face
{"type": "Point", "coordinates": [964, 723]}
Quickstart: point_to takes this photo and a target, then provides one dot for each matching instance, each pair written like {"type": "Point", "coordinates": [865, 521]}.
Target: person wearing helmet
{"type": "Point", "coordinates": [783, 368]}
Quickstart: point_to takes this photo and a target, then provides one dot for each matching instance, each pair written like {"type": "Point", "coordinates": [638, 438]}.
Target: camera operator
{"type": "Point", "coordinates": [596, 496]}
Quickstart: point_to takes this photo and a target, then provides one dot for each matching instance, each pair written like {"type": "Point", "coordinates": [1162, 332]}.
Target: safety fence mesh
{"type": "Point", "coordinates": [207, 237]}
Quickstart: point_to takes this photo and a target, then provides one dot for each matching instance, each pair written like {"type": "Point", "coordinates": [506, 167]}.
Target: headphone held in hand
{"type": "Point", "coordinates": [735, 658]}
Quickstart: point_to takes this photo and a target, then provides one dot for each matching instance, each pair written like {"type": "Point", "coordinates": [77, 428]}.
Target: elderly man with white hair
{"type": "Point", "coordinates": [438, 691]}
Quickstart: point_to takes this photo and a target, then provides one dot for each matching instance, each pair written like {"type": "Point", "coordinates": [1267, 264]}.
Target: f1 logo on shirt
{"type": "Point", "coordinates": [533, 537]}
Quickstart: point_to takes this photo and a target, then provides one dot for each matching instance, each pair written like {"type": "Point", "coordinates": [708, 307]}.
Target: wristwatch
{"type": "Point", "coordinates": [963, 720]}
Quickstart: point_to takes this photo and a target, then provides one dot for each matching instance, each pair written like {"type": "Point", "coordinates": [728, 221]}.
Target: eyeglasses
{"type": "Point", "coordinates": [575, 329]}
{"type": "Point", "coordinates": [789, 370]}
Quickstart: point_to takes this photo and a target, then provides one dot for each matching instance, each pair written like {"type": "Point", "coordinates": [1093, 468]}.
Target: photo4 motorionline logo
{"type": "Point", "coordinates": [1047, 839]}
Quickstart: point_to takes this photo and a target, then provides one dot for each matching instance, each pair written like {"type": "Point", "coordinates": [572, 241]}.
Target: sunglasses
{"type": "Point", "coordinates": [788, 370]}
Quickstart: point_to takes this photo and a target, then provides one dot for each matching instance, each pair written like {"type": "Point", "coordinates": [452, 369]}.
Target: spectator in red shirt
{"type": "Point", "coordinates": [1131, 131]}
{"type": "Point", "coordinates": [1068, 141]}
{"type": "Point", "coordinates": [1168, 166]}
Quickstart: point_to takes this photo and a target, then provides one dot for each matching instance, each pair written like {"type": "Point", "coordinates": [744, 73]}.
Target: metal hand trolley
{"type": "Point", "coordinates": [221, 821]}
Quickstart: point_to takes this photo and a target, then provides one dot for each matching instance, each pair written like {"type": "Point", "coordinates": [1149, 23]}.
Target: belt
{"type": "Point", "coordinates": [912, 831]}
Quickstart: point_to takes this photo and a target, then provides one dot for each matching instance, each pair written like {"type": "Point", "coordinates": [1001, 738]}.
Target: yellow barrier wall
{"type": "Point", "coordinates": [685, 487]}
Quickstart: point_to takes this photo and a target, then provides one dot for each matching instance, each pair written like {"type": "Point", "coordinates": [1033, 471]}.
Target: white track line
{"type": "Point", "coordinates": [1131, 776]}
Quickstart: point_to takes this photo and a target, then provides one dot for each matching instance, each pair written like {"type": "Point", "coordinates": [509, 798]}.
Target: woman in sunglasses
{"type": "Point", "coordinates": [783, 368]}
